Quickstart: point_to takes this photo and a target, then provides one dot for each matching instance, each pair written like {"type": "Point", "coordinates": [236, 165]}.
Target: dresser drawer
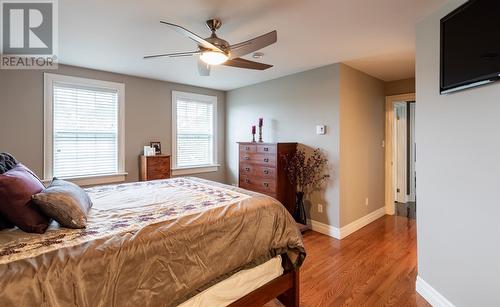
{"type": "Point", "coordinates": [261, 159]}
{"type": "Point", "coordinates": [254, 170]}
{"type": "Point", "coordinates": [258, 184]}
{"type": "Point", "coordinates": [248, 148]}
{"type": "Point", "coordinates": [266, 149]}
{"type": "Point", "coordinates": [156, 163]}
{"type": "Point", "coordinates": [159, 169]}
{"type": "Point", "coordinates": [159, 174]}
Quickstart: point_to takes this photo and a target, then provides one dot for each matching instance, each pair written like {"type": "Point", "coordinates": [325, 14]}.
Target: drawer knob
{"type": "Point", "coordinates": [266, 172]}
{"type": "Point", "coordinates": [266, 160]}
{"type": "Point", "coordinates": [246, 158]}
{"type": "Point", "coordinates": [247, 169]}
{"type": "Point", "coordinates": [247, 148]}
{"type": "Point", "coordinates": [266, 148]}
{"type": "Point", "coordinates": [247, 180]}
{"type": "Point", "coordinates": [266, 184]}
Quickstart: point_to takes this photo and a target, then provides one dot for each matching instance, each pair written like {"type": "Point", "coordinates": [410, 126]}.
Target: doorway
{"type": "Point", "coordinates": [404, 158]}
{"type": "Point", "coordinates": [400, 160]}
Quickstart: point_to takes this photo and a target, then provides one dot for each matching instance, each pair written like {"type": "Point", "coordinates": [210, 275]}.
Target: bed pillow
{"type": "Point", "coordinates": [65, 202]}
{"type": "Point", "coordinates": [4, 223]}
{"type": "Point", "coordinates": [7, 162]}
{"type": "Point", "coordinates": [16, 188]}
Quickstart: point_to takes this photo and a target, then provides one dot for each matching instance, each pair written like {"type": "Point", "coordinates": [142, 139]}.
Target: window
{"type": "Point", "coordinates": [84, 138]}
{"type": "Point", "coordinates": [194, 130]}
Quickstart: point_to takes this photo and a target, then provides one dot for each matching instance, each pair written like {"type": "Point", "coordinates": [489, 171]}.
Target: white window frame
{"type": "Point", "coordinates": [48, 141]}
{"type": "Point", "coordinates": [179, 171]}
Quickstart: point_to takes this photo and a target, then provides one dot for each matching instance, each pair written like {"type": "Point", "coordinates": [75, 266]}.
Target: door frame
{"type": "Point", "coordinates": [389, 124]}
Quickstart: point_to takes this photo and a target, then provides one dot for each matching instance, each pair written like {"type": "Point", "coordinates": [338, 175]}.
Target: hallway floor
{"type": "Point", "coordinates": [408, 210]}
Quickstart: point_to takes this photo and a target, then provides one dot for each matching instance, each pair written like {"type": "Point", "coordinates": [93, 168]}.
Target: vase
{"type": "Point", "coordinates": [300, 210]}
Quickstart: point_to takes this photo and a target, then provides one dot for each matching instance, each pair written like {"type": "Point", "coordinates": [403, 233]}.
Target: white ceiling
{"type": "Point", "coordinates": [375, 36]}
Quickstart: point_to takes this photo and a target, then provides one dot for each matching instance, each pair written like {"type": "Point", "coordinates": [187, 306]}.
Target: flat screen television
{"type": "Point", "coordinates": [470, 45]}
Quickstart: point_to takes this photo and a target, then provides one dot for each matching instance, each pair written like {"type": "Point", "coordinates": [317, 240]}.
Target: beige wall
{"type": "Point", "coordinates": [292, 106]}
{"type": "Point", "coordinates": [398, 87]}
{"type": "Point", "coordinates": [458, 179]}
{"type": "Point", "coordinates": [348, 102]}
{"type": "Point", "coordinates": [147, 115]}
{"type": "Point", "coordinates": [362, 128]}
{"type": "Point", "coordinates": [351, 105]}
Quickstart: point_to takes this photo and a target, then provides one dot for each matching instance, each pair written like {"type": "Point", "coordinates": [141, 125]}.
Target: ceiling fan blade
{"type": "Point", "coordinates": [203, 68]}
{"type": "Point", "coordinates": [249, 46]}
{"type": "Point", "coordinates": [201, 41]}
{"type": "Point", "coordinates": [172, 55]}
{"type": "Point", "coordinates": [242, 63]}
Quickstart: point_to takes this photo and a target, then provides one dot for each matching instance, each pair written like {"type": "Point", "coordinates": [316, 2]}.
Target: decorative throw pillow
{"type": "Point", "coordinates": [65, 202]}
{"type": "Point", "coordinates": [7, 162]}
{"type": "Point", "coordinates": [4, 223]}
{"type": "Point", "coordinates": [16, 188]}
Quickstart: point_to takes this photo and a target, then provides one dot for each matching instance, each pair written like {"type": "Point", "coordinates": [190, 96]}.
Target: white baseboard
{"type": "Point", "coordinates": [431, 295]}
{"type": "Point", "coordinates": [325, 229]}
{"type": "Point", "coordinates": [362, 222]}
{"type": "Point", "coordinates": [348, 229]}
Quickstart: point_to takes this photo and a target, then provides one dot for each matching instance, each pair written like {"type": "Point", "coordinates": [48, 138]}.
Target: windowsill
{"type": "Point", "coordinates": [94, 180]}
{"type": "Point", "coordinates": [181, 171]}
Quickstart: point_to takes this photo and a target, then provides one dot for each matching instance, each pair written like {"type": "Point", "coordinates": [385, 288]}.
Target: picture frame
{"type": "Point", "coordinates": [156, 146]}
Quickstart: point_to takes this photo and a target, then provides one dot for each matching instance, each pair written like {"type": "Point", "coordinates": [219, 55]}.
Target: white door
{"type": "Point", "coordinates": [400, 152]}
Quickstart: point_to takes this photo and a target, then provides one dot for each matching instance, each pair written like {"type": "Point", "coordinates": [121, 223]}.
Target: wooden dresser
{"type": "Point", "coordinates": [154, 167]}
{"type": "Point", "coordinates": [261, 169]}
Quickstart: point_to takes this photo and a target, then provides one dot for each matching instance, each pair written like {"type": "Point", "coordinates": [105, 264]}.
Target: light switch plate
{"type": "Point", "coordinates": [320, 129]}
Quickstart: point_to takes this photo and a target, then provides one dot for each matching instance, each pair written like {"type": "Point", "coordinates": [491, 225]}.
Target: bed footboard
{"type": "Point", "coordinates": [285, 288]}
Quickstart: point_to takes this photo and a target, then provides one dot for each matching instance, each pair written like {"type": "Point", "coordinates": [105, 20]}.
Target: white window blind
{"type": "Point", "coordinates": [195, 130]}
{"type": "Point", "coordinates": [85, 131]}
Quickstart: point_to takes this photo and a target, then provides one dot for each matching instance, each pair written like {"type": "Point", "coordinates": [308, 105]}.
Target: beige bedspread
{"type": "Point", "coordinates": [153, 243]}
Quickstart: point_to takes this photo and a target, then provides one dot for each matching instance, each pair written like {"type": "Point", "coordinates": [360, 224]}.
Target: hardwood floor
{"type": "Point", "coordinates": [375, 266]}
{"type": "Point", "coordinates": [409, 209]}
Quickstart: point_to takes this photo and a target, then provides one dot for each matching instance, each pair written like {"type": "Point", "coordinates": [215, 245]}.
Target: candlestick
{"type": "Point", "coordinates": [253, 133]}
{"type": "Point", "coordinates": [261, 123]}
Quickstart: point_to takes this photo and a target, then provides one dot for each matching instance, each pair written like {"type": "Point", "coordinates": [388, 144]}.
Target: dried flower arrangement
{"type": "Point", "coordinates": [308, 173]}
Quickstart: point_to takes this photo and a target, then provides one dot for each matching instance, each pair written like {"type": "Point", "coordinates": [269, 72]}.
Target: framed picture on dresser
{"type": "Point", "coordinates": [156, 146]}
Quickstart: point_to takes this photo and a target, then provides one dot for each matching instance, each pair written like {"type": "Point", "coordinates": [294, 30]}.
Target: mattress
{"type": "Point", "coordinates": [154, 243]}
{"type": "Point", "coordinates": [237, 285]}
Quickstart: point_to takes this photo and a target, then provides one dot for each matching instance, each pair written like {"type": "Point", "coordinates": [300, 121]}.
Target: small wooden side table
{"type": "Point", "coordinates": [154, 167]}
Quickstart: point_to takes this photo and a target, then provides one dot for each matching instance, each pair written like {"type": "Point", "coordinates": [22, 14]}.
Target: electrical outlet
{"type": "Point", "coordinates": [366, 202]}
{"type": "Point", "coordinates": [320, 208]}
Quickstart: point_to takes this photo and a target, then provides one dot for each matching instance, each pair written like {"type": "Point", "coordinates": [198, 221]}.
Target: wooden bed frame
{"type": "Point", "coordinates": [285, 288]}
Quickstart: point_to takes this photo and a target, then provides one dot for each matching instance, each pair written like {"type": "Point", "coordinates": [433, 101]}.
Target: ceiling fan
{"type": "Point", "coordinates": [216, 51]}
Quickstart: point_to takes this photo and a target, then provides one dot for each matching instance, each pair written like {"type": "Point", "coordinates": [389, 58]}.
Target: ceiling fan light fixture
{"type": "Point", "coordinates": [213, 57]}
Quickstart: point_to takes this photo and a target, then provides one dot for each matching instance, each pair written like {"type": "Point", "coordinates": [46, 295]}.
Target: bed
{"type": "Point", "coordinates": [181, 241]}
